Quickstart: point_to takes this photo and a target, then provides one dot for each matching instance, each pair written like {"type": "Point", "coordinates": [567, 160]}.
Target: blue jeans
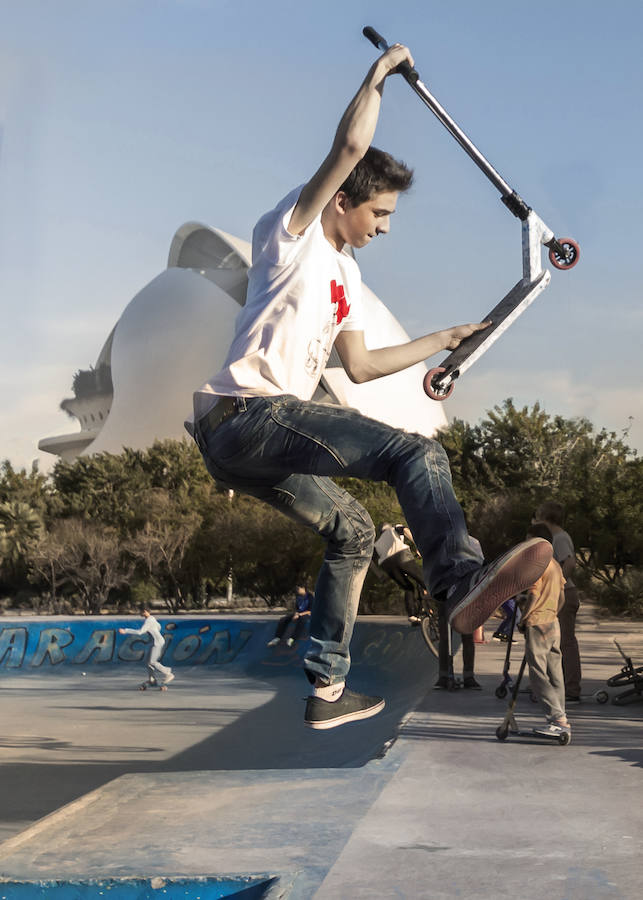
{"type": "Point", "coordinates": [284, 451]}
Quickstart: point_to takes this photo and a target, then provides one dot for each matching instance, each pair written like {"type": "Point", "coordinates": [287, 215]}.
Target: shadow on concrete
{"type": "Point", "coordinates": [248, 732]}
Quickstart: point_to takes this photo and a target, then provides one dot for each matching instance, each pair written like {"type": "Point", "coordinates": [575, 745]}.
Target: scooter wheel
{"type": "Point", "coordinates": [501, 733]}
{"type": "Point", "coordinates": [431, 631]}
{"type": "Point", "coordinates": [601, 696]}
{"type": "Point", "coordinates": [436, 393]}
{"type": "Point", "coordinates": [564, 738]}
{"type": "Point", "coordinates": [572, 254]}
{"type": "Point", "coordinates": [501, 692]}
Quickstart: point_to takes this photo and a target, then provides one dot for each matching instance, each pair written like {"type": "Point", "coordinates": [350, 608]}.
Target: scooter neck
{"type": "Point", "coordinates": [467, 145]}
{"type": "Point", "coordinates": [510, 198]}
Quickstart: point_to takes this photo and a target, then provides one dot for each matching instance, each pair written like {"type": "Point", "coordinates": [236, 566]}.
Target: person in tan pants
{"type": "Point", "coordinates": [552, 515]}
{"type": "Point", "coordinates": [540, 606]}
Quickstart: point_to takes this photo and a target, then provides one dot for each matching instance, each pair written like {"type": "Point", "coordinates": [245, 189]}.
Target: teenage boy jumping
{"type": "Point", "coordinates": [260, 432]}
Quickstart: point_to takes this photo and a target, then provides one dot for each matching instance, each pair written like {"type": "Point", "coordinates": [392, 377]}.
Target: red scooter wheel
{"type": "Point", "coordinates": [430, 391]}
{"type": "Point", "coordinates": [572, 253]}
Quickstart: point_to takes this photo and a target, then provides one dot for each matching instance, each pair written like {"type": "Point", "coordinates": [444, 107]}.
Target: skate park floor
{"type": "Point", "coordinates": [217, 777]}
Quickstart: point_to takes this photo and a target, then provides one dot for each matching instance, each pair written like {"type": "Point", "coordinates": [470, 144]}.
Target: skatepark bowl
{"type": "Point", "coordinates": [225, 741]}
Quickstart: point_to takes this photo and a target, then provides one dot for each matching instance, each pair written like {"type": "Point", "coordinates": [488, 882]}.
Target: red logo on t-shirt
{"type": "Point", "coordinates": [338, 296]}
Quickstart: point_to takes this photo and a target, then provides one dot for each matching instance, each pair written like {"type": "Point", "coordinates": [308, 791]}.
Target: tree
{"type": "Point", "coordinates": [109, 487]}
{"type": "Point", "coordinates": [271, 552]}
{"type": "Point", "coordinates": [503, 468]}
{"type": "Point", "coordinates": [84, 558]}
{"type": "Point", "coordinates": [33, 488]}
{"type": "Point", "coordinates": [20, 528]}
{"type": "Point", "coordinates": [160, 546]}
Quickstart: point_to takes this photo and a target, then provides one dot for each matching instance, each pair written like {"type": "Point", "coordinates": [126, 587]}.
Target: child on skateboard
{"type": "Point", "coordinates": [260, 432]}
{"type": "Point", "coordinates": [158, 673]}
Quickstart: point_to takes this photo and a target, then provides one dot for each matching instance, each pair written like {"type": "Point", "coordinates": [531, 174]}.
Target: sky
{"type": "Point", "coordinates": [122, 119]}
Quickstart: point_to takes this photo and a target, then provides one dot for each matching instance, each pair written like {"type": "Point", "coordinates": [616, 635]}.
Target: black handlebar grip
{"type": "Point", "coordinates": [378, 41]}
{"type": "Point", "coordinates": [375, 38]}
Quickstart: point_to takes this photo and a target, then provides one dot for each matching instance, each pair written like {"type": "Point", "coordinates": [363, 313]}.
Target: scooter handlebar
{"type": "Point", "coordinates": [407, 71]}
{"type": "Point", "coordinates": [375, 38]}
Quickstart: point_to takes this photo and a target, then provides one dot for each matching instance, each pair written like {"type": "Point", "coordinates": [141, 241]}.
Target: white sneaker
{"type": "Point", "coordinates": [290, 641]}
{"type": "Point", "coordinates": [169, 678]}
{"type": "Point", "coordinates": [273, 642]}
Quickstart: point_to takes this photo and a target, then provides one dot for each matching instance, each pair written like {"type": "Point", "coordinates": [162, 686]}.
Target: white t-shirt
{"type": "Point", "coordinates": [389, 543]}
{"type": "Point", "coordinates": [301, 294]}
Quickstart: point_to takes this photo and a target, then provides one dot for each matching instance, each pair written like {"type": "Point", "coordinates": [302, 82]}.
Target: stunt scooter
{"type": "Point", "coordinates": [563, 252]}
{"type": "Point", "coordinates": [510, 726]}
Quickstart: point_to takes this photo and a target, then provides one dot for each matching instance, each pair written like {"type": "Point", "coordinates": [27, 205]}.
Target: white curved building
{"type": "Point", "coordinates": [175, 333]}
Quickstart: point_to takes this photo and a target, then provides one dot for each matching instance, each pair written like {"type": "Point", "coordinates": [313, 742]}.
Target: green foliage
{"type": "Point", "coordinates": [81, 558]}
{"type": "Point", "coordinates": [269, 553]}
{"type": "Point", "coordinates": [32, 489]}
{"type": "Point", "coordinates": [168, 529]}
{"type": "Point", "coordinates": [91, 382]}
{"type": "Point", "coordinates": [623, 594]}
{"type": "Point", "coordinates": [20, 528]}
{"type": "Point", "coordinates": [515, 459]}
{"type": "Point", "coordinates": [112, 487]}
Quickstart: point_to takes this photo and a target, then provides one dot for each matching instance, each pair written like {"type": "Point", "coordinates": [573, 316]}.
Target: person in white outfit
{"type": "Point", "coordinates": [159, 674]}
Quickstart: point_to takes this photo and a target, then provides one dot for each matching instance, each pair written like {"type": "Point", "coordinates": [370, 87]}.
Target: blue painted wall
{"type": "Point", "coordinates": [241, 888]}
{"type": "Point", "coordinates": [45, 643]}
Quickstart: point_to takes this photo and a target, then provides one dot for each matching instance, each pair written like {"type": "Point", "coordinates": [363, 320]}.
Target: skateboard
{"type": "Point", "coordinates": [563, 252]}
{"type": "Point", "coordinates": [144, 685]}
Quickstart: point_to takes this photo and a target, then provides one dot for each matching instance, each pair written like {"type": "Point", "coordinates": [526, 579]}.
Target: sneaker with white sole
{"type": "Point", "coordinates": [350, 707]}
{"type": "Point", "coordinates": [472, 600]}
{"type": "Point", "coordinates": [169, 678]}
{"type": "Point", "coordinates": [553, 730]}
{"type": "Point", "coordinates": [272, 642]}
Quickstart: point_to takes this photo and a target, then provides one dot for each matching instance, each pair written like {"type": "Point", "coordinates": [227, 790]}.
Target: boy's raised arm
{"type": "Point", "coordinates": [352, 139]}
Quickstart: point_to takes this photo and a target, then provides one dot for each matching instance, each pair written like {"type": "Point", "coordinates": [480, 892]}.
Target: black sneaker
{"type": "Point", "coordinates": [575, 698]}
{"type": "Point", "coordinates": [349, 708]}
{"type": "Point", "coordinates": [471, 683]}
{"type": "Point", "coordinates": [473, 600]}
{"type": "Point", "coordinates": [447, 684]}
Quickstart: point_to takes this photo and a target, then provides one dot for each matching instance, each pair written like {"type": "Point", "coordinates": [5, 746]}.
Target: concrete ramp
{"type": "Point", "coordinates": [216, 776]}
{"type": "Point", "coordinates": [446, 811]}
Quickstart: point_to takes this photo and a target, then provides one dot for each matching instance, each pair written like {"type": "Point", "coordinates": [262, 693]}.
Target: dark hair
{"type": "Point", "coordinates": [376, 172]}
{"type": "Point", "coordinates": [551, 511]}
{"type": "Point", "coordinates": [539, 529]}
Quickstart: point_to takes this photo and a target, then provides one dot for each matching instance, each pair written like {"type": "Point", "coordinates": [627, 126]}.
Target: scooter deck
{"type": "Point", "coordinates": [501, 317]}
{"type": "Point", "coordinates": [562, 739]}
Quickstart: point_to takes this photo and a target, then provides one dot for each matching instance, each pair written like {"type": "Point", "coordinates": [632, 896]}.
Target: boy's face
{"type": "Point", "coordinates": [360, 224]}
